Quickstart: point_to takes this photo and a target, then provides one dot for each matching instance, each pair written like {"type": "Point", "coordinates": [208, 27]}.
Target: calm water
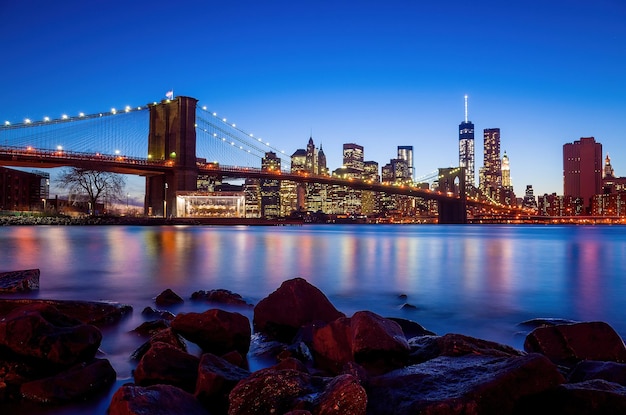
{"type": "Point", "coordinates": [476, 280]}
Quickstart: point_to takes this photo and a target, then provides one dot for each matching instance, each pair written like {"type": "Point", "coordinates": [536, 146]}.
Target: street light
{"type": "Point", "coordinates": [44, 204]}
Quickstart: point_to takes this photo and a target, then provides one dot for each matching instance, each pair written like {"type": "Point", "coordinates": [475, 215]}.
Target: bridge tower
{"type": "Point", "coordinates": [452, 180]}
{"type": "Point", "coordinates": [172, 137]}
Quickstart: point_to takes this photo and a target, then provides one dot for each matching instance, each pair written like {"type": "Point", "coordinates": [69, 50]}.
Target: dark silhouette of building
{"type": "Point", "coordinates": [20, 190]}
{"type": "Point", "coordinates": [582, 169]}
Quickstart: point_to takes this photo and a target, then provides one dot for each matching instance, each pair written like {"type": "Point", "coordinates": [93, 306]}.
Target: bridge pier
{"type": "Point", "coordinates": [452, 211]}
{"type": "Point", "coordinates": [452, 180]}
{"type": "Point", "coordinates": [172, 138]}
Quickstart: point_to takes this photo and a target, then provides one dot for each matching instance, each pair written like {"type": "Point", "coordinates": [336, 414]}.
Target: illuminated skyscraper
{"type": "Point", "coordinates": [406, 153]}
{"type": "Point", "coordinates": [492, 162]}
{"type": "Point", "coordinates": [466, 149]}
{"type": "Point", "coordinates": [582, 169]}
{"type": "Point", "coordinates": [353, 156]}
{"type": "Point", "coordinates": [506, 171]}
{"type": "Point", "coordinates": [270, 188]}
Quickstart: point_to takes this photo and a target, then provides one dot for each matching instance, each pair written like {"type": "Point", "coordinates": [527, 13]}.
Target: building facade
{"type": "Point", "coordinates": [582, 169]}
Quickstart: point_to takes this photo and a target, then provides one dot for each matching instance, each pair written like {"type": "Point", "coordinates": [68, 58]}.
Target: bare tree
{"type": "Point", "coordinates": [93, 184]}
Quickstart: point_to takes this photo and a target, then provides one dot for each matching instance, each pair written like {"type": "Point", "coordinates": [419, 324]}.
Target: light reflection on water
{"type": "Point", "coordinates": [475, 280]}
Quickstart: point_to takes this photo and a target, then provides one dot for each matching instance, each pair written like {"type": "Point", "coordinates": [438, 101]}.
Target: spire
{"type": "Point", "coordinates": [465, 107]}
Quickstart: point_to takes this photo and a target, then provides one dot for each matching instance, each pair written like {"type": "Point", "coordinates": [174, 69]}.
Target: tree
{"type": "Point", "coordinates": [93, 184]}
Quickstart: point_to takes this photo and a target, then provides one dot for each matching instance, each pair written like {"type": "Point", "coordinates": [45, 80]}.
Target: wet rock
{"type": "Point", "coordinates": [411, 328]}
{"type": "Point", "coordinates": [168, 298]}
{"type": "Point", "coordinates": [461, 385]}
{"type": "Point", "coordinates": [165, 364]}
{"type": "Point", "coordinates": [294, 304]}
{"type": "Point", "coordinates": [19, 281]}
{"type": "Point", "coordinates": [165, 336]}
{"type": "Point", "coordinates": [593, 369]}
{"type": "Point", "coordinates": [78, 382]}
{"type": "Point", "coordinates": [545, 322]}
{"type": "Point", "coordinates": [157, 399]}
{"type": "Point", "coordinates": [291, 363]}
{"type": "Point", "coordinates": [378, 344]}
{"type": "Point", "coordinates": [216, 378]}
{"type": "Point", "coordinates": [97, 313]}
{"type": "Point", "coordinates": [40, 331]}
{"type": "Point", "coordinates": [150, 312]}
{"type": "Point", "coordinates": [150, 328]}
{"type": "Point", "coordinates": [219, 296]}
{"type": "Point", "coordinates": [584, 398]}
{"type": "Point", "coordinates": [269, 391]}
{"type": "Point", "coordinates": [568, 344]}
{"type": "Point", "coordinates": [343, 395]}
{"type": "Point", "coordinates": [215, 331]}
{"type": "Point", "coordinates": [332, 345]}
{"type": "Point", "coordinates": [424, 348]}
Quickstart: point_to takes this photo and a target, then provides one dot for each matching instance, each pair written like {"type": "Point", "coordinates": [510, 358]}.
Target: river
{"type": "Point", "coordinates": [478, 280]}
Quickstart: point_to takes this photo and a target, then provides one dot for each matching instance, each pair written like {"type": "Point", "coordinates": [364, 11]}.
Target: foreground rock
{"type": "Point", "coordinates": [294, 304]}
{"type": "Point", "coordinates": [19, 281]}
{"type": "Point", "coordinates": [157, 399]}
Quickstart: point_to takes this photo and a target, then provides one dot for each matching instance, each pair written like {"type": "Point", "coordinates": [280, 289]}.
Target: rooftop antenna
{"type": "Point", "coordinates": [466, 108]}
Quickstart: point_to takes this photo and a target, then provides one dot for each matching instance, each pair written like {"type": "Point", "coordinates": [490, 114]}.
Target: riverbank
{"type": "Point", "coordinates": [140, 221]}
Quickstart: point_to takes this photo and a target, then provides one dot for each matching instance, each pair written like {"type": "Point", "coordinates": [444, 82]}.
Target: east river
{"type": "Point", "coordinates": [478, 280]}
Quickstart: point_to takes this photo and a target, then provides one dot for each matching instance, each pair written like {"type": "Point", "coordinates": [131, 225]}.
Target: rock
{"type": "Point", "coordinates": [168, 298]}
{"type": "Point", "coordinates": [40, 331]}
{"type": "Point", "coordinates": [332, 345]}
{"type": "Point", "coordinates": [411, 328]}
{"type": "Point", "coordinates": [291, 363]}
{"type": "Point", "coordinates": [150, 328]}
{"type": "Point", "coordinates": [215, 331]}
{"type": "Point", "coordinates": [157, 399]}
{"type": "Point", "coordinates": [97, 313]}
{"type": "Point", "coordinates": [269, 391]}
{"type": "Point", "coordinates": [424, 348]}
{"type": "Point", "coordinates": [219, 296]}
{"type": "Point", "coordinates": [78, 382]}
{"type": "Point", "coordinates": [343, 395]}
{"type": "Point", "coordinates": [19, 281]}
{"type": "Point", "coordinates": [164, 336]}
{"type": "Point", "coordinates": [568, 344]}
{"type": "Point", "coordinates": [461, 385]}
{"type": "Point", "coordinates": [150, 312]}
{"type": "Point", "coordinates": [378, 344]}
{"type": "Point", "coordinates": [584, 398]}
{"type": "Point", "coordinates": [294, 304]}
{"type": "Point", "coordinates": [593, 369]}
{"type": "Point", "coordinates": [165, 364]}
{"type": "Point", "coordinates": [216, 378]}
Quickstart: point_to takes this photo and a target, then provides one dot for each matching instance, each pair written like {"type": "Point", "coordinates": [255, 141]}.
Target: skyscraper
{"type": "Point", "coordinates": [506, 171]}
{"type": "Point", "coordinates": [406, 153]}
{"type": "Point", "coordinates": [582, 169]}
{"type": "Point", "coordinates": [492, 162]}
{"type": "Point", "coordinates": [353, 156]}
{"type": "Point", "coordinates": [466, 149]}
{"type": "Point", "coordinates": [270, 188]}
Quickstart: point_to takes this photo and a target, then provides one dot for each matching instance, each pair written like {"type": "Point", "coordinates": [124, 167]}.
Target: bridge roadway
{"type": "Point", "coordinates": [36, 158]}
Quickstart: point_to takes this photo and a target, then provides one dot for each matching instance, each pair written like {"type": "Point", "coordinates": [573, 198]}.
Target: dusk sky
{"type": "Point", "coordinates": [379, 74]}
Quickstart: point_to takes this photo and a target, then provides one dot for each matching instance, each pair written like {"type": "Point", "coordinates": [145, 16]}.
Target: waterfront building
{"type": "Point", "coordinates": [270, 188]}
{"type": "Point", "coordinates": [466, 149]}
{"type": "Point", "coordinates": [610, 183]}
{"type": "Point", "coordinates": [311, 157]}
{"type": "Point", "coordinates": [492, 181]}
{"type": "Point", "coordinates": [252, 196]}
{"type": "Point", "coordinates": [21, 190]}
{"type": "Point", "coordinates": [211, 204]}
{"type": "Point", "coordinates": [406, 153]}
{"type": "Point", "coordinates": [530, 202]}
{"type": "Point", "coordinates": [507, 196]}
{"type": "Point", "coordinates": [322, 168]}
{"type": "Point", "coordinates": [370, 200]}
{"type": "Point", "coordinates": [613, 204]}
{"type": "Point", "coordinates": [582, 169]}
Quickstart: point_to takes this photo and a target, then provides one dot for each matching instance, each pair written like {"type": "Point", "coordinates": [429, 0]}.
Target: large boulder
{"type": "Point", "coordinates": [168, 298]}
{"type": "Point", "coordinates": [219, 296]}
{"type": "Point", "coordinates": [466, 385]}
{"type": "Point", "coordinates": [424, 348]}
{"type": "Point", "coordinates": [157, 399]}
{"type": "Point", "coordinates": [97, 313]}
{"type": "Point", "coordinates": [40, 331]}
{"type": "Point", "coordinates": [19, 281]}
{"type": "Point", "coordinates": [567, 344]}
{"type": "Point", "coordinates": [78, 382]}
{"type": "Point", "coordinates": [270, 391]}
{"type": "Point", "coordinates": [166, 364]}
{"type": "Point", "coordinates": [594, 369]}
{"type": "Point", "coordinates": [332, 345]}
{"type": "Point", "coordinates": [294, 304]}
{"type": "Point", "coordinates": [215, 331]}
{"type": "Point", "coordinates": [216, 378]}
{"type": "Point", "coordinates": [165, 336]}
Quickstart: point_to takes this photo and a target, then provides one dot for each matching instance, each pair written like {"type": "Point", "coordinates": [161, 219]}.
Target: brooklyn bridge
{"type": "Point", "coordinates": [175, 141]}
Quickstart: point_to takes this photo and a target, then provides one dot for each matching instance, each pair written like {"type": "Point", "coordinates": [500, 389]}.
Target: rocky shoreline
{"type": "Point", "coordinates": [324, 362]}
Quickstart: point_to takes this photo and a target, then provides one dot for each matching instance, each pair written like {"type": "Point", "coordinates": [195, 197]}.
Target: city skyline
{"type": "Point", "coordinates": [378, 76]}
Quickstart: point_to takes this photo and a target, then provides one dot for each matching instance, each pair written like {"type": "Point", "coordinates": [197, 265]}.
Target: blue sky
{"type": "Point", "coordinates": [380, 74]}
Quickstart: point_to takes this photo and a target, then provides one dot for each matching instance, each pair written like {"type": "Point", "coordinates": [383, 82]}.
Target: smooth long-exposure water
{"type": "Point", "coordinates": [472, 279]}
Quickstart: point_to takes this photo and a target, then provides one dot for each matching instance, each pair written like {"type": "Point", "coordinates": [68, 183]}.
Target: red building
{"type": "Point", "coordinates": [582, 169]}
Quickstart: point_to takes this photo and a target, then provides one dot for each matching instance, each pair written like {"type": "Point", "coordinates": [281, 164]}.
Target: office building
{"type": "Point", "coordinates": [582, 169]}
{"type": "Point", "coordinates": [466, 149]}
{"type": "Point", "coordinates": [270, 188]}
{"type": "Point", "coordinates": [353, 156]}
{"type": "Point", "coordinates": [406, 153]}
{"type": "Point", "coordinates": [492, 176]}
